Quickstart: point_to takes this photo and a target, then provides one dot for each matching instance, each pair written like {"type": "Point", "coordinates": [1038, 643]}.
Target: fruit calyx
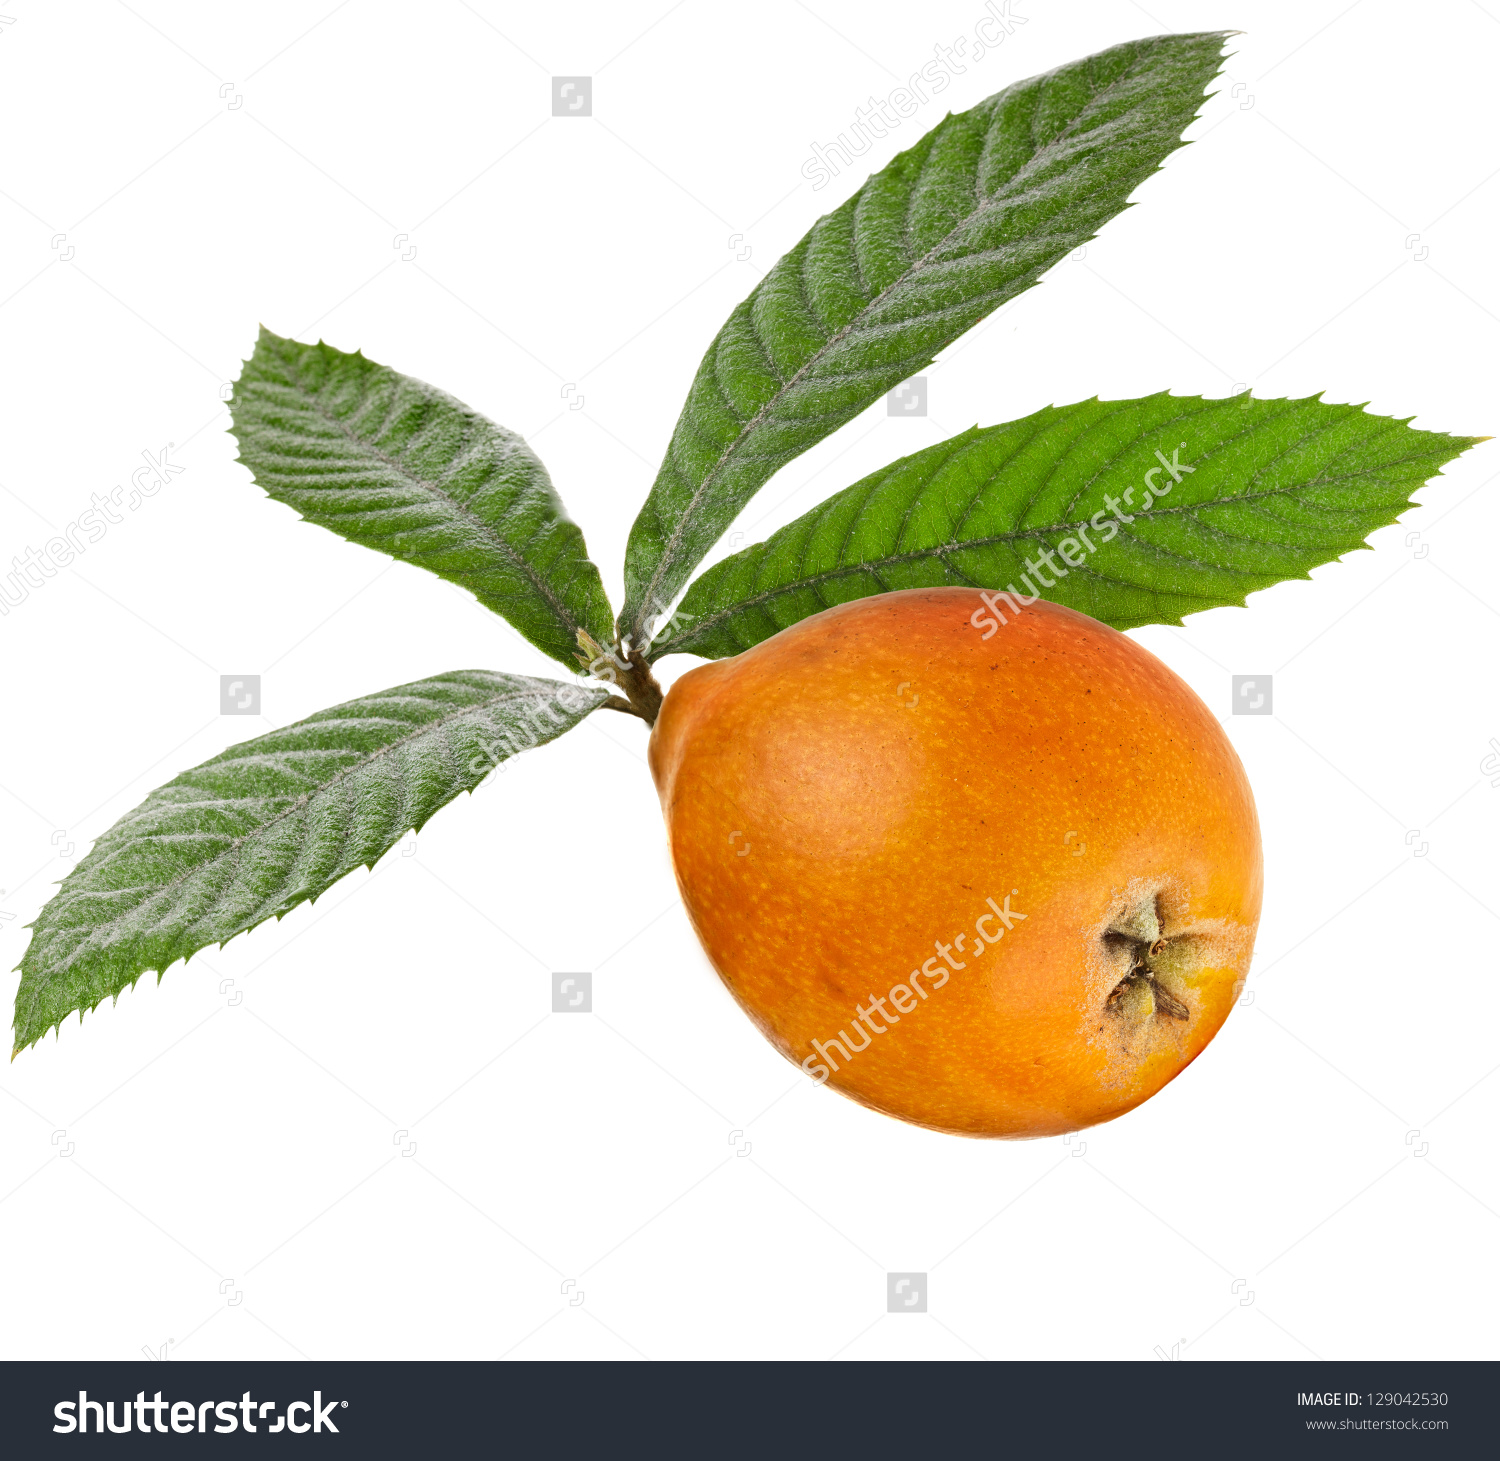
{"type": "Point", "coordinates": [1136, 941]}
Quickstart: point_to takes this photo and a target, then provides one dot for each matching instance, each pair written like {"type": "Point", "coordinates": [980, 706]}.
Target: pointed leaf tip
{"type": "Point", "coordinates": [1268, 490]}
{"type": "Point", "coordinates": [393, 464]}
{"type": "Point", "coordinates": [270, 843]}
{"type": "Point", "coordinates": [954, 227]}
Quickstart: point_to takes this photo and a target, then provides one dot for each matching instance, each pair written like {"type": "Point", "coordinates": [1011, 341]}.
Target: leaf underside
{"type": "Point", "coordinates": [949, 231]}
{"type": "Point", "coordinates": [396, 465]}
{"type": "Point", "coordinates": [1276, 487]}
{"type": "Point", "coordinates": [272, 823]}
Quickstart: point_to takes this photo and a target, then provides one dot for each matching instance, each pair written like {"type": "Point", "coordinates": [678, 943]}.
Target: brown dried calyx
{"type": "Point", "coordinates": [1153, 963]}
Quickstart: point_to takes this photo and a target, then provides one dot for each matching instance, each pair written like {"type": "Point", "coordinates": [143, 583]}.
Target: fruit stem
{"type": "Point", "coordinates": [632, 674]}
{"type": "Point", "coordinates": [640, 687]}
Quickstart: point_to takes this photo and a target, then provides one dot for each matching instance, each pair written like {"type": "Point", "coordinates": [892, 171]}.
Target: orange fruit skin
{"type": "Point", "coordinates": [847, 797]}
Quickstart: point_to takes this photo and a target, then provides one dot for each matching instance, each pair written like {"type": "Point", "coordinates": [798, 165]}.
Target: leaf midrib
{"type": "Point", "coordinates": [485, 529]}
{"type": "Point", "coordinates": [296, 805]}
{"type": "Point", "coordinates": [721, 463]}
{"type": "Point", "coordinates": [874, 565]}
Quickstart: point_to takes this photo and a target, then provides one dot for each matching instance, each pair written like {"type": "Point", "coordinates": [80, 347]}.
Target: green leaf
{"type": "Point", "coordinates": [272, 823]}
{"type": "Point", "coordinates": [1242, 494]}
{"type": "Point", "coordinates": [952, 229]}
{"type": "Point", "coordinates": [393, 464]}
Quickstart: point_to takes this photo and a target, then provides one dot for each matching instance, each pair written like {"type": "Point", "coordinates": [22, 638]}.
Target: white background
{"type": "Point", "coordinates": [360, 1132]}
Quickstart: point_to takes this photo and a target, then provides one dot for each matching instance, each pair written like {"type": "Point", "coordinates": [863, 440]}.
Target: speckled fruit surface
{"type": "Point", "coordinates": [1000, 881]}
